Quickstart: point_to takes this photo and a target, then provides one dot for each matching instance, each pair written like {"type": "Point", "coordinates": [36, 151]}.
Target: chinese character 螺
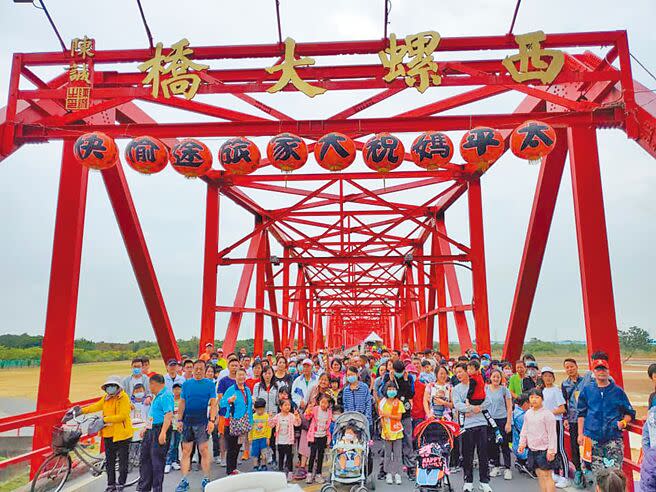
{"type": "Point", "coordinates": [177, 65]}
{"type": "Point", "coordinates": [287, 69]}
{"type": "Point", "coordinates": [421, 69]}
{"type": "Point", "coordinates": [532, 65]}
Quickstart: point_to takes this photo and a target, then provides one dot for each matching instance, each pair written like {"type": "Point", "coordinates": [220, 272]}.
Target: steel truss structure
{"type": "Point", "coordinates": [366, 255]}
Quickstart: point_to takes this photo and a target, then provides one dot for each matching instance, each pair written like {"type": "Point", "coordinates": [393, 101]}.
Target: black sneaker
{"type": "Point", "coordinates": [381, 475]}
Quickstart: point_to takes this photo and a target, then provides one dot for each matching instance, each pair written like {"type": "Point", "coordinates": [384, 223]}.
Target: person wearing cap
{"type": "Point", "coordinates": [604, 411]}
{"type": "Point", "coordinates": [171, 377]}
{"type": "Point", "coordinates": [157, 437]}
{"type": "Point", "coordinates": [532, 379]}
{"type": "Point", "coordinates": [301, 389]}
{"type": "Point", "coordinates": [571, 388]}
{"type": "Point", "coordinates": [117, 433]}
{"type": "Point", "coordinates": [207, 355]}
{"type": "Point", "coordinates": [554, 401]}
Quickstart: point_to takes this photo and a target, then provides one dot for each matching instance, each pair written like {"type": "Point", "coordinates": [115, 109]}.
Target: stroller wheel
{"type": "Point", "coordinates": [359, 488]}
{"type": "Point", "coordinates": [329, 487]}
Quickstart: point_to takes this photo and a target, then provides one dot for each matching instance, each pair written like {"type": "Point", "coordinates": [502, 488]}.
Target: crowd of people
{"type": "Point", "coordinates": [277, 411]}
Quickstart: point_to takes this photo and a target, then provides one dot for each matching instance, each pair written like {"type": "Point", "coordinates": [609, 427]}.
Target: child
{"type": "Point", "coordinates": [614, 480]}
{"type": "Point", "coordinates": [260, 435]}
{"type": "Point", "coordinates": [172, 457]}
{"type": "Point", "coordinates": [391, 410]}
{"type": "Point", "coordinates": [320, 417]}
{"type": "Point", "coordinates": [648, 470]}
{"type": "Point", "coordinates": [554, 401]}
{"type": "Point", "coordinates": [539, 435]}
{"type": "Point", "coordinates": [349, 459]}
{"type": "Point", "coordinates": [333, 391]}
{"type": "Point", "coordinates": [139, 406]}
{"type": "Point", "coordinates": [521, 405]}
{"type": "Point", "coordinates": [284, 423]}
{"type": "Point", "coordinates": [476, 396]}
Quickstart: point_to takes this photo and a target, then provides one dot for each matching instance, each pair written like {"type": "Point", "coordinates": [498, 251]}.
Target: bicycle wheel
{"type": "Point", "coordinates": [134, 460]}
{"type": "Point", "coordinates": [52, 474]}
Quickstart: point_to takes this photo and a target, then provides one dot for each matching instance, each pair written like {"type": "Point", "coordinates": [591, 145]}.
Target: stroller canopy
{"type": "Point", "coordinates": [356, 419]}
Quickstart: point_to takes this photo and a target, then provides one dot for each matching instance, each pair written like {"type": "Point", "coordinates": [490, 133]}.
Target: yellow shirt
{"type": "Point", "coordinates": [260, 427]}
{"type": "Point", "coordinates": [392, 429]}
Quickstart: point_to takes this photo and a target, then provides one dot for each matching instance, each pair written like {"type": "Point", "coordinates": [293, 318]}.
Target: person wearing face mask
{"type": "Point", "coordinates": [137, 377]}
{"type": "Point", "coordinates": [117, 433]}
{"type": "Point", "coordinates": [391, 411]}
{"type": "Point", "coordinates": [355, 395]}
{"type": "Point", "coordinates": [532, 379]}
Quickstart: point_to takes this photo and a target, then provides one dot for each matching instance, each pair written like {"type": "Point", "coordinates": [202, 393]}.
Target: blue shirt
{"type": "Point", "coordinates": [224, 384]}
{"type": "Point", "coordinates": [160, 406]}
{"type": "Point", "coordinates": [197, 394]}
{"type": "Point", "coordinates": [602, 408]}
{"type": "Point", "coordinates": [358, 400]}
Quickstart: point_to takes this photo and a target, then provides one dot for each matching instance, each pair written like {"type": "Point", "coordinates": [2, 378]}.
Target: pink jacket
{"type": "Point", "coordinates": [312, 429]}
{"type": "Point", "coordinates": [539, 430]}
{"type": "Point", "coordinates": [295, 421]}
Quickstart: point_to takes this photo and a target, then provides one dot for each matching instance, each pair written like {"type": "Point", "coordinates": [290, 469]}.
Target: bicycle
{"type": "Point", "coordinates": [56, 468]}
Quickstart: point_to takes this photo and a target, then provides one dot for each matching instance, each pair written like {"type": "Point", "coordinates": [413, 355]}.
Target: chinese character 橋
{"type": "Point", "coordinates": [532, 65]}
{"type": "Point", "coordinates": [287, 69]}
{"type": "Point", "coordinates": [177, 65]}
{"type": "Point", "coordinates": [82, 48]}
{"type": "Point", "coordinates": [421, 67]}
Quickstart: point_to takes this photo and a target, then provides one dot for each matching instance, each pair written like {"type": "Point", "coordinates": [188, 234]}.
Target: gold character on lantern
{"type": "Point", "coordinates": [287, 69]}
{"type": "Point", "coordinates": [177, 65]}
{"type": "Point", "coordinates": [82, 48]}
{"type": "Point", "coordinates": [421, 67]}
{"type": "Point", "coordinates": [78, 73]}
{"type": "Point", "coordinates": [531, 51]}
{"type": "Point", "coordinates": [77, 98]}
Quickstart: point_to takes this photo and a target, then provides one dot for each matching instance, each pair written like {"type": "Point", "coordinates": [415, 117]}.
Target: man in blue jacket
{"type": "Point", "coordinates": [604, 411]}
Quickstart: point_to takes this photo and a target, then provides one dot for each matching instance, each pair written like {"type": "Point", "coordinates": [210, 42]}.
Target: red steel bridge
{"type": "Point", "coordinates": [358, 254]}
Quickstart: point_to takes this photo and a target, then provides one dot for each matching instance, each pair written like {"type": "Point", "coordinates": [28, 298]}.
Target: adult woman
{"type": "Point", "coordinates": [281, 376]}
{"type": "Point", "coordinates": [500, 408]}
{"type": "Point", "coordinates": [257, 373]}
{"type": "Point", "coordinates": [378, 382]}
{"type": "Point", "coordinates": [336, 369]}
{"type": "Point", "coordinates": [268, 391]}
{"type": "Point", "coordinates": [437, 397]}
{"type": "Point", "coordinates": [321, 387]}
{"type": "Point", "coordinates": [118, 431]}
{"type": "Point", "coordinates": [238, 401]}
{"type": "Point", "coordinates": [210, 372]}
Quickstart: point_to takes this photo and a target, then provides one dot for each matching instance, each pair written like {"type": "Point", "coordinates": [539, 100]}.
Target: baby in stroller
{"type": "Point", "coordinates": [435, 441]}
{"type": "Point", "coordinates": [348, 458]}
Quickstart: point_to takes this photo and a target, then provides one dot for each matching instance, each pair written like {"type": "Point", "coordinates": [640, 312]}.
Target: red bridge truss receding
{"type": "Point", "coordinates": [359, 253]}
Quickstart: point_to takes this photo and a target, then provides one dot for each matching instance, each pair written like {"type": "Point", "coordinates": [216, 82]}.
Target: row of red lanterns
{"type": "Point", "coordinates": [480, 146]}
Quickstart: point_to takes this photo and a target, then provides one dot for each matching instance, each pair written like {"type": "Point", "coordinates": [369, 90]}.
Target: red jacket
{"type": "Point", "coordinates": [417, 411]}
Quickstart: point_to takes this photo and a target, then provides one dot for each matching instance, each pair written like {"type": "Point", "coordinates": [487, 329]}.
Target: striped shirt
{"type": "Point", "coordinates": [357, 400]}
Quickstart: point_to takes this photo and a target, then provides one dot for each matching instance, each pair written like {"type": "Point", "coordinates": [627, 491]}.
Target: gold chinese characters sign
{"type": "Point", "coordinates": [413, 59]}
{"type": "Point", "coordinates": [80, 74]}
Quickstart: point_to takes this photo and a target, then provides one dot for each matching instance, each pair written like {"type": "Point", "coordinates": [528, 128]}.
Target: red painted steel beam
{"type": "Point", "coordinates": [270, 286]}
{"type": "Point", "coordinates": [346, 260]}
{"type": "Point", "coordinates": [607, 117]}
{"type": "Point", "coordinates": [592, 239]}
{"type": "Point", "coordinates": [258, 338]}
{"type": "Point", "coordinates": [544, 203]}
{"type": "Point", "coordinates": [59, 335]}
{"type": "Point", "coordinates": [208, 302]}
{"type": "Point", "coordinates": [232, 331]}
{"type": "Point", "coordinates": [285, 298]}
{"type": "Point", "coordinates": [479, 276]}
{"type": "Point", "coordinates": [242, 310]}
{"type": "Point", "coordinates": [462, 327]}
{"type": "Point", "coordinates": [135, 244]}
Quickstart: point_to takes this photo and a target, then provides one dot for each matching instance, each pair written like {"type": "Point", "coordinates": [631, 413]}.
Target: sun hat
{"type": "Point", "coordinates": [112, 380]}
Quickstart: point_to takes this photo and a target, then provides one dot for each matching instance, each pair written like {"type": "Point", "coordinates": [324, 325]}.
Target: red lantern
{"type": "Point", "coordinates": [96, 151]}
{"type": "Point", "coordinates": [334, 151]}
{"type": "Point", "coordinates": [432, 150]}
{"type": "Point", "coordinates": [191, 158]}
{"type": "Point", "coordinates": [287, 152]}
{"type": "Point", "coordinates": [239, 156]}
{"type": "Point", "coordinates": [383, 152]}
{"type": "Point", "coordinates": [532, 140]}
{"type": "Point", "coordinates": [146, 154]}
{"type": "Point", "coordinates": [481, 146]}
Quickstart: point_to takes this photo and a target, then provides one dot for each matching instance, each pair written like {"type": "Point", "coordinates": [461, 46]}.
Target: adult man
{"type": "Point", "coordinates": [405, 385]}
{"type": "Point", "coordinates": [604, 411]}
{"type": "Point", "coordinates": [356, 395]}
{"type": "Point", "coordinates": [145, 366]}
{"type": "Point", "coordinates": [157, 437]}
{"type": "Point", "coordinates": [303, 385]}
{"type": "Point", "coordinates": [363, 366]}
{"type": "Point", "coordinates": [269, 357]}
{"type": "Point", "coordinates": [475, 433]}
{"type": "Point", "coordinates": [571, 388]}
{"type": "Point", "coordinates": [515, 381]}
{"type": "Point", "coordinates": [172, 375]}
{"type": "Point", "coordinates": [188, 369]}
{"type": "Point", "coordinates": [197, 395]}
{"type": "Point", "coordinates": [246, 366]}
{"type": "Point", "coordinates": [205, 356]}
{"type": "Point", "coordinates": [137, 377]}
{"type": "Point", "coordinates": [221, 361]}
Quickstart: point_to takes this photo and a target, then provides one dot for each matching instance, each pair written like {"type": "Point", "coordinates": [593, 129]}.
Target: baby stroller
{"type": "Point", "coordinates": [351, 459]}
{"type": "Point", "coordinates": [434, 441]}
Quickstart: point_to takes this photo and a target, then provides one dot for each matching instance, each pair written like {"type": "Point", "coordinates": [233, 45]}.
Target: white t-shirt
{"type": "Point", "coordinates": [553, 398]}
